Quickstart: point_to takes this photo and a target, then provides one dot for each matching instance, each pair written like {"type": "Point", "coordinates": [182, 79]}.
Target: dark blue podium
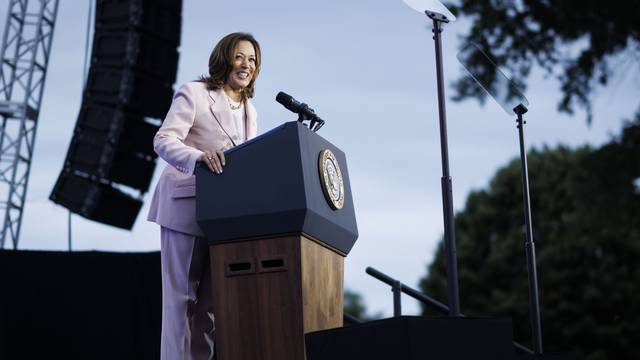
{"type": "Point", "coordinates": [279, 221]}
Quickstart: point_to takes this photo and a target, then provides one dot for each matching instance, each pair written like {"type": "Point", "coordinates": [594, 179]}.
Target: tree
{"type": "Point", "coordinates": [576, 41]}
{"type": "Point", "coordinates": [354, 306]}
{"type": "Point", "coordinates": [586, 219]}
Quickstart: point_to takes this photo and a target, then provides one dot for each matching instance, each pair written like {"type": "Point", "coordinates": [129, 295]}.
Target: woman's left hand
{"type": "Point", "coordinates": [214, 159]}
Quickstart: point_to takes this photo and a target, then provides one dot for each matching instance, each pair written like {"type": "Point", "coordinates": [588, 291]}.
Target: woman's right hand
{"type": "Point", "coordinates": [214, 160]}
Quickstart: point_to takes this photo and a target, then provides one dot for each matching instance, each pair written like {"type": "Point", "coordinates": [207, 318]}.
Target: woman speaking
{"type": "Point", "coordinates": [206, 117]}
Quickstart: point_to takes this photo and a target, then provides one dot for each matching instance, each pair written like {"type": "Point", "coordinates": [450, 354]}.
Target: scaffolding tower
{"type": "Point", "coordinates": [26, 46]}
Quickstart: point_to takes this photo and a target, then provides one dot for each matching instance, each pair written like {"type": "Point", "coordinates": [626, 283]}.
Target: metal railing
{"type": "Point", "coordinates": [350, 319]}
{"type": "Point", "coordinates": [398, 288]}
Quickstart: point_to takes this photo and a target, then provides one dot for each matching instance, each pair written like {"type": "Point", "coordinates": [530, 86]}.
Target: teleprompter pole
{"type": "Point", "coordinates": [530, 249]}
{"type": "Point", "coordinates": [447, 192]}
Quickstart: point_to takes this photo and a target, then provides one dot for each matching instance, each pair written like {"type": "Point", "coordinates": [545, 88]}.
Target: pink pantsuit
{"type": "Point", "coordinates": [198, 120]}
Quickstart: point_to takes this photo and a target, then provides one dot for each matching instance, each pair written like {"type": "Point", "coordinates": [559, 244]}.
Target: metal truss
{"type": "Point", "coordinates": [26, 46]}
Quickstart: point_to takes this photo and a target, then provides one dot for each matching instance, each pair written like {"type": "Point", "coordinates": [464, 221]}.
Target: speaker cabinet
{"type": "Point", "coordinates": [96, 201]}
{"type": "Point", "coordinates": [133, 67]}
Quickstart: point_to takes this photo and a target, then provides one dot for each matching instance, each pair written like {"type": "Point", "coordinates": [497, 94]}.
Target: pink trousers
{"type": "Point", "coordinates": [187, 307]}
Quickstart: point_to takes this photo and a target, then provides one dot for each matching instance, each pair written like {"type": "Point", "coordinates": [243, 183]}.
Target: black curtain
{"type": "Point", "coordinates": [88, 305]}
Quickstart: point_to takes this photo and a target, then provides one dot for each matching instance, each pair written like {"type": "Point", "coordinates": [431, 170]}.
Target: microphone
{"type": "Point", "coordinates": [303, 110]}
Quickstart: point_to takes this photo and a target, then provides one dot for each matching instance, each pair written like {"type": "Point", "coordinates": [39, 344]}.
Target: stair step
{"type": "Point", "coordinates": [413, 337]}
{"type": "Point", "coordinates": [545, 356]}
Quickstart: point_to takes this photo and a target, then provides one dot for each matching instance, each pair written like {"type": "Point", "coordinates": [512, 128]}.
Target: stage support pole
{"type": "Point", "coordinates": [530, 249]}
{"type": "Point", "coordinates": [447, 192]}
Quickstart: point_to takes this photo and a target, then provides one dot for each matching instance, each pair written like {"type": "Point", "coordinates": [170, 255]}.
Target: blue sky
{"type": "Point", "coordinates": [367, 68]}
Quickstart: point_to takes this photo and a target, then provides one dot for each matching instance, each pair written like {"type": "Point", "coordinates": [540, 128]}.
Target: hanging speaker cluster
{"type": "Point", "coordinates": [134, 61]}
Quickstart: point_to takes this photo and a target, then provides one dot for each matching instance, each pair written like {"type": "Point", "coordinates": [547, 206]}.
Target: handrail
{"type": "Point", "coordinates": [407, 290]}
{"type": "Point", "coordinates": [350, 319]}
{"type": "Point", "coordinates": [398, 287]}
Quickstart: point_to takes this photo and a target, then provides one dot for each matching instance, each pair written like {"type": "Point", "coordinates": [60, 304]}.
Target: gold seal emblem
{"type": "Point", "coordinates": [331, 179]}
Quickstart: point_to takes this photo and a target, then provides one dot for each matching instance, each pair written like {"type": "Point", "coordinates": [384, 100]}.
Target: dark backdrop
{"type": "Point", "coordinates": [89, 305]}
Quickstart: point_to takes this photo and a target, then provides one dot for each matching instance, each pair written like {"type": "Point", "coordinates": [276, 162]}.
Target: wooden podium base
{"type": "Point", "coordinates": [269, 292]}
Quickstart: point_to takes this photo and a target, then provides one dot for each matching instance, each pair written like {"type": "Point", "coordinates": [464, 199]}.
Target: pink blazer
{"type": "Point", "coordinates": [199, 119]}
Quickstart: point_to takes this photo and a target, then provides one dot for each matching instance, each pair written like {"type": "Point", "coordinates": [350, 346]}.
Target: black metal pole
{"type": "Point", "coordinates": [530, 249]}
{"type": "Point", "coordinates": [447, 192]}
{"type": "Point", "coordinates": [397, 298]}
{"type": "Point", "coordinates": [69, 230]}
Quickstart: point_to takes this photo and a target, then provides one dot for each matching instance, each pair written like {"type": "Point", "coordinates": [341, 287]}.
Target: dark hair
{"type": "Point", "coordinates": [221, 62]}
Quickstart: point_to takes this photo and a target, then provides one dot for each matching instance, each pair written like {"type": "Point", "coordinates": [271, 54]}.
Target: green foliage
{"type": "Point", "coordinates": [586, 220]}
{"type": "Point", "coordinates": [572, 40]}
{"type": "Point", "coordinates": [354, 306]}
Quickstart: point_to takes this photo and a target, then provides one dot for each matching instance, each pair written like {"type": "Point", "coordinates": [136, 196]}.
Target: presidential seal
{"type": "Point", "coordinates": [331, 179]}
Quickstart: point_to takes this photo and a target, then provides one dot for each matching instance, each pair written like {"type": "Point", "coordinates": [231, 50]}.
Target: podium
{"type": "Point", "coordinates": [279, 221]}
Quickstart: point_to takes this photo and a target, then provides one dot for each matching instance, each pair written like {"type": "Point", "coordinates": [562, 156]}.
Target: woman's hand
{"type": "Point", "coordinates": [214, 160]}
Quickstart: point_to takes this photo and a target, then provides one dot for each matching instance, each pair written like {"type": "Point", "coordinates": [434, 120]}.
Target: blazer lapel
{"type": "Point", "coordinates": [250, 124]}
{"type": "Point", "coordinates": [222, 114]}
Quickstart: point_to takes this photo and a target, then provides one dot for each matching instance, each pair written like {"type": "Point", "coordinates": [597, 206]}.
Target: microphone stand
{"type": "Point", "coordinates": [530, 249]}
{"type": "Point", "coordinates": [447, 192]}
{"type": "Point", "coordinates": [315, 123]}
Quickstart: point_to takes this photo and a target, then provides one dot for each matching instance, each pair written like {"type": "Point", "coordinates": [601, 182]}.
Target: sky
{"type": "Point", "coordinates": [367, 68]}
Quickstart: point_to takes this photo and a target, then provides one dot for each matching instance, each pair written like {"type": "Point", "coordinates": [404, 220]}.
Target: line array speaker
{"type": "Point", "coordinates": [96, 201]}
{"type": "Point", "coordinates": [133, 68]}
{"type": "Point", "coordinates": [111, 144]}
